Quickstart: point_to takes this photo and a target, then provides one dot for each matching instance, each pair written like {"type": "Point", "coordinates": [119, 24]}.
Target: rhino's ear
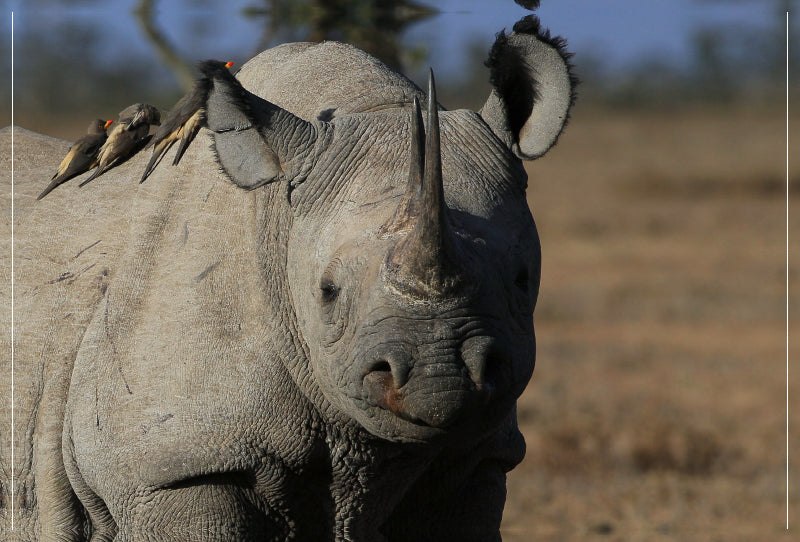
{"type": "Point", "coordinates": [534, 88]}
{"type": "Point", "coordinates": [255, 141]}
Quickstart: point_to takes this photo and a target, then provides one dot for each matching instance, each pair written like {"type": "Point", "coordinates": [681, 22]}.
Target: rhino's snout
{"type": "Point", "coordinates": [436, 390]}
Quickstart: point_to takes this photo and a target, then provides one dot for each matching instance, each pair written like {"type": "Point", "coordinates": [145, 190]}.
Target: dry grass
{"type": "Point", "coordinates": [657, 409]}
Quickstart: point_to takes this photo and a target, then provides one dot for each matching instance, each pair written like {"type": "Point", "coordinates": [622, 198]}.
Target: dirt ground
{"type": "Point", "coordinates": [657, 410]}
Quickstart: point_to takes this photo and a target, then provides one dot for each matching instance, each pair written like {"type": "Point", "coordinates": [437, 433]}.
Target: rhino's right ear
{"type": "Point", "coordinates": [255, 141]}
{"type": "Point", "coordinates": [534, 88]}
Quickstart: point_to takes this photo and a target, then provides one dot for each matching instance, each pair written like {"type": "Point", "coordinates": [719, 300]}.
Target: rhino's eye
{"type": "Point", "coordinates": [329, 291]}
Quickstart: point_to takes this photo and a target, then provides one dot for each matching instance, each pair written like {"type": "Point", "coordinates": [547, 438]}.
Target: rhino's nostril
{"type": "Point", "coordinates": [388, 364]}
{"type": "Point", "coordinates": [380, 390]}
{"type": "Point", "coordinates": [491, 369]}
{"type": "Point", "coordinates": [487, 361]}
{"type": "Point", "coordinates": [380, 366]}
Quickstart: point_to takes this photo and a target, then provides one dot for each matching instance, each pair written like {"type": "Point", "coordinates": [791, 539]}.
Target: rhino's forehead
{"type": "Point", "coordinates": [363, 174]}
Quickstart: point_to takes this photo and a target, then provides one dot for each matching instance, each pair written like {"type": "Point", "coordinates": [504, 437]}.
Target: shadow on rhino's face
{"type": "Point", "coordinates": [419, 317]}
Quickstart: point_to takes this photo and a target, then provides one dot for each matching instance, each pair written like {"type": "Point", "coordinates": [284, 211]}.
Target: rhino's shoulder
{"type": "Point", "coordinates": [323, 80]}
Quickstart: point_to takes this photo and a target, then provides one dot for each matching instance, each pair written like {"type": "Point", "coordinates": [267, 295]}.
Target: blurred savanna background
{"type": "Point", "coordinates": [658, 407]}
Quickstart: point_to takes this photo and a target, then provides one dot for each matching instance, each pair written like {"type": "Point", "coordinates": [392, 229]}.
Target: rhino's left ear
{"type": "Point", "coordinates": [534, 88]}
{"type": "Point", "coordinates": [255, 141]}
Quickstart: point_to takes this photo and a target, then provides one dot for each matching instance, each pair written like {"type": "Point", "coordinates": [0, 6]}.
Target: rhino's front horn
{"type": "Point", "coordinates": [424, 263]}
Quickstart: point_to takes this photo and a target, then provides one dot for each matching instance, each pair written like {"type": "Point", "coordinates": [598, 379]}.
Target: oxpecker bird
{"type": "Point", "coordinates": [127, 137]}
{"type": "Point", "coordinates": [82, 156]}
{"type": "Point", "coordinates": [185, 119]}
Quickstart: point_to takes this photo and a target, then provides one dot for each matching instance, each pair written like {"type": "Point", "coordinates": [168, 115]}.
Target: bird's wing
{"type": "Point", "coordinates": [75, 163]}
{"type": "Point", "coordinates": [190, 130]}
{"type": "Point", "coordinates": [62, 167]}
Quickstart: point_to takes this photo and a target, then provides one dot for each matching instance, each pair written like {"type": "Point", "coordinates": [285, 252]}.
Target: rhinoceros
{"type": "Point", "coordinates": [316, 327]}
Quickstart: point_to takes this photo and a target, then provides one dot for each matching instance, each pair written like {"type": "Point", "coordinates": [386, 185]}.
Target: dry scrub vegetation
{"type": "Point", "coordinates": [657, 408]}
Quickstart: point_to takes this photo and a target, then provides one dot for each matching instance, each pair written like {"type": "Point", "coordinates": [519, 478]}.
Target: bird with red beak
{"type": "Point", "coordinates": [127, 137]}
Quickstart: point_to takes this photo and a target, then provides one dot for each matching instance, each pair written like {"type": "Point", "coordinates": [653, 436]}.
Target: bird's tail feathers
{"type": "Point", "coordinates": [96, 173]}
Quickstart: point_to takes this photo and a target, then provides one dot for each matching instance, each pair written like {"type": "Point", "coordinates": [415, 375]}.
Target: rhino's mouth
{"type": "Point", "coordinates": [438, 399]}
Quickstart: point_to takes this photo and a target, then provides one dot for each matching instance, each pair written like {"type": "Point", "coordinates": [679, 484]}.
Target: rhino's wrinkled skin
{"type": "Point", "coordinates": [332, 355]}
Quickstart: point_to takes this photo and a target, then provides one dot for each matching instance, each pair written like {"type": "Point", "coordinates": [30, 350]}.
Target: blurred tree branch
{"type": "Point", "coordinates": [372, 25]}
{"type": "Point", "coordinates": [144, 12]}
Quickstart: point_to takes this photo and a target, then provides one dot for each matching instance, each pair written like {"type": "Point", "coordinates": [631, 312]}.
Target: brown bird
{"type": "Point", "coordinates": [82, 156]}
{"type": "Point", "coordinates": [185, 119]}
{"type": "Point", "coordinates": [127, 137]}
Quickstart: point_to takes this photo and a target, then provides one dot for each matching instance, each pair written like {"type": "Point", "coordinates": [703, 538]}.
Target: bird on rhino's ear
{"type": "Point", "coordinates": [255, 141]}
{"type": "Point", "coordinates": [533, 88]}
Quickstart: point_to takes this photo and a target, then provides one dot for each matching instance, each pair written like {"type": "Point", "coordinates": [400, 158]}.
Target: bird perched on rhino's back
{"type": "Point", "coordinates": [186, 117]}
{"type": "Point", "coordinates": [127, 137]}
{"type": "Point", "coordinates": [82, 156]}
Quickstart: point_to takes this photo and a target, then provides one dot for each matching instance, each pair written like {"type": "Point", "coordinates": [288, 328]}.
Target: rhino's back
{"type": "Point", "coordinates": [51, 232]}
{"type": "Point", "coordinates": [323, 80]}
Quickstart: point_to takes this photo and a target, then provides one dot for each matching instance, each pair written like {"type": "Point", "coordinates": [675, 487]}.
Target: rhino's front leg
{"type": "Point", "coordinates": [217, 507]}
